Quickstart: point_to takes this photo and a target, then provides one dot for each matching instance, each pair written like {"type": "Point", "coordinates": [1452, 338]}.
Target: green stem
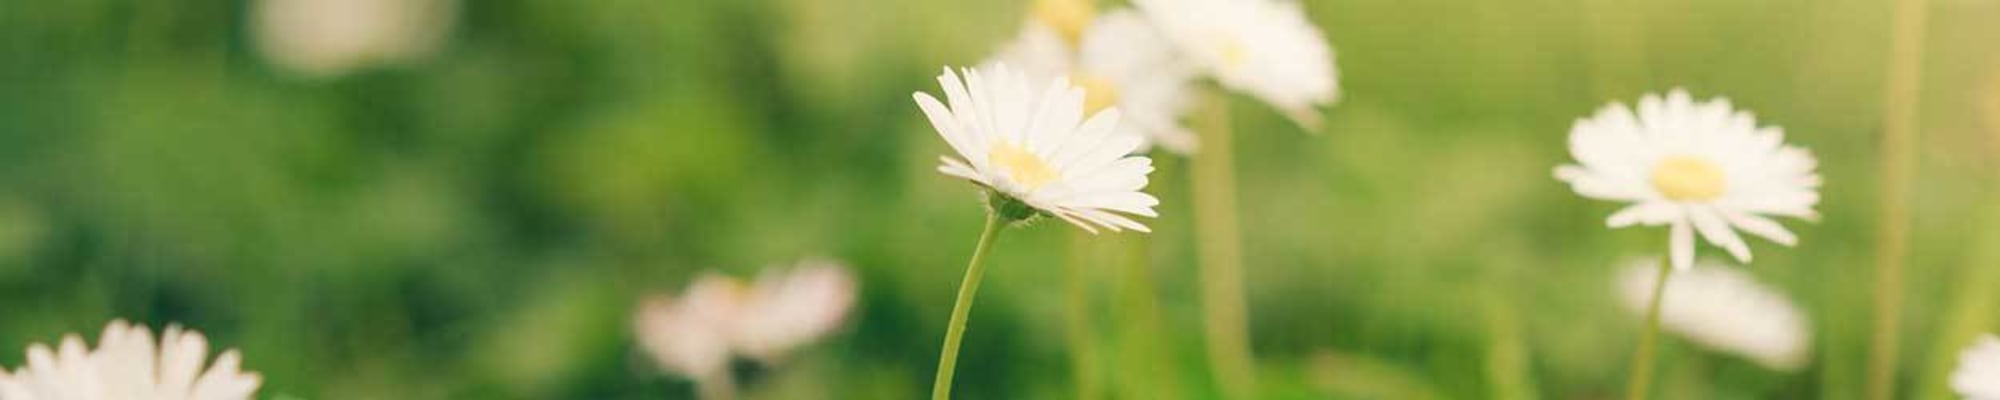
{"type": "Point", "coordinates": [719, 387]}
{"type": "Point", "coordinates": [1221, 255]}
{"type": "Point", "coordinates": [1082, 335]}
{"type": "Point", "coordinates": [1149, 371]}
{"type": "Point", "coordinates": [1642, 363]}
{"type": "Point", "coordinates": [955, 331]}
{"type": "Point", "coordinates": [1898, 164]}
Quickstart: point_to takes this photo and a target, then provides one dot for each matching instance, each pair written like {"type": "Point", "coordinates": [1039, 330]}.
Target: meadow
{"type": "Point", "coordinates": [479, 215]}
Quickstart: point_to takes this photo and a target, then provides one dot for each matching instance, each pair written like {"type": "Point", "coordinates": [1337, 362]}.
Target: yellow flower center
{"type": "Point", "coordinates": [1234, 55]}
{"type": "Point", "coordinates": [1683, 178]}
{"type": "Point", "coordinates": [1098, 93]}
{"type": "Point", "coordinates": [1068, 17]}
{"type": "Point", "coordinates": [1023, 167]}
{"type": "Point", "coordinates": [735, 289]}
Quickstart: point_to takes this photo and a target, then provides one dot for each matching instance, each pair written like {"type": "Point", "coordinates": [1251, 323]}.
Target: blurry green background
{"type": "Point", "coordinates": [482, 223]}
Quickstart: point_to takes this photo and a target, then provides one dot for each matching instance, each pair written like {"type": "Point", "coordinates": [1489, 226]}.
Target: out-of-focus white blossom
{"type": "Point", "coordinates": [1120, 62]}
{"type": "Point", "coordinates": [1978, 373]}
{"type": "Point", "coordinates": [1697, 167]}
{"type": "Point", "coordinates": [1265, 48]}
{"type": "Point", "coordinates": [719, 318]}
{"type": "Point", "coordinates": [327, 38]}
{"type": "Point", "coordinates": [1722, 308]}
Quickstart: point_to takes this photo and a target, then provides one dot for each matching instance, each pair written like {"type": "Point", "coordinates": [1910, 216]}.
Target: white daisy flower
{"type": "Point", "coordinates": [789, 309]}
{"type": "Point", "coordinates": [126, 365]}
{"type": "Point", "coordinates": [325, 38]}
{"type": "Point", "coordinates": [1122, 62]}
{"type": "Point", "coordinates": [1266, 48]}
{"type": "Point", "coordinates": [689, 334]}
{"type": "Point", "coordinates": [720, 317]}
{"type": "Point", "coordinates": [1978, 374]}
{"type": "Point", "coordinates": [1695, 167]}
{"type": "Point", "coordinates": [1724, 309]}
{"type": "Point", "coordinates": [1035, 148]}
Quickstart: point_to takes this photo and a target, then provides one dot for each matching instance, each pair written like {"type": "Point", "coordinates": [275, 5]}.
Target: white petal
{"type": "Point", "coordinates": [1652, 213]}
{"type": "Point", "coordinates": [1717, 231]}
{"type": "Point", "coordinates": [225, 380]}
{"type": "Point", "coordinates": [945, 123]}
{"type": "Point", "coordinates": [1761, 226]}
{"type": "Point", "coordinates": [181, 355]}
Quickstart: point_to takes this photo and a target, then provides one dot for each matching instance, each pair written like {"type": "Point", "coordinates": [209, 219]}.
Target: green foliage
{"type": "Point", "coordinates": [481, 224]}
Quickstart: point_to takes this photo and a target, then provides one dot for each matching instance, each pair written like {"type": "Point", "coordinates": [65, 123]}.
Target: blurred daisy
{"type": "Point", "coordinates": [127, 365]}
{"type": "Point", "coordinates": [1266, 48]}
{"type": "Point", "coordinates": [788, 309]}
{"type": "Point", "coordinates": [1724, 309]}
{"type": "Point", "coordinates": [1035, 151]}
{"type": "Point", "coordinates": [1122, 62]}
{"type": "Point", "coordinates": [1695, 167]}
{"type": "Point", "coordinates": [1065, 18]}
{"type": "Point", "coordinates": [326, 38]}
{"type": "Point", "coordinates": [719, 317]}
{"type": "Point", "coordinates": [1978, 374]}
{"type": "Point", "coordinates": [689, 335]}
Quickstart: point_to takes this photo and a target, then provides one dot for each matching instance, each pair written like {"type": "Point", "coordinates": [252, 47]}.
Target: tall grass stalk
{"type": "Point", "coordinates": [1220, 247]}
{"type": "Point", "coordinates": [1898, 165]}
{"type": "Point", "coordinates": [1642, 359]}
{"type": "Point", "coordinates": [1082, 335]}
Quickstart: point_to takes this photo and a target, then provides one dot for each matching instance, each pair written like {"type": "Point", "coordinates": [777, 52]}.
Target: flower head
{"type": "Point", "coordinates": [719, 317]}
{"type": "Point", "coordinates": [127, 365]}
{"type": "Point", "coordinates": [1035, 147]}
{"type": "Point", "coordinates": [1695, 167]}
{"type": "Point", "coordinates": [1723, 309]}
{"type": "Point", "coordinates": [324, 38]}
{"type": "Point", "coordinates": [1266, 48]}
{"type": "Point", "coordinates": [687, 334]}
{"type": "Point", "coordinates": [1122, 62]}
{"type": "Point", "coordinates": [1978, 373]}
{"type": "Point", "coordinates": [1065, 18]}
{"type": "Point", "coordinates": [789, 309]}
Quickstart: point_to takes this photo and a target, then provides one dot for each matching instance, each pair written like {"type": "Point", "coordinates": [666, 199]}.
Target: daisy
{"type": "Point", "coordinates": [1978, 374]}
{"type": "Point", "coordinates": [326, 38]}
{"type": "Point", "coordinates": [1122, 62]}
{"type": "Point", "coordinates": [719, 318]}
{"type": "Point", "coordinates": [785, 310]}
{"type": "Point", "coordinates": [128, 365]}
{"type": "Point", "coordinates": [1724, 309]}
{"type": "Point", "coordinates": [1036, 154]}
{"type": "Point", "coordinates": [687, 335]}
{"type": "Point", "coordinates": [1695, 167]}
{"type": "Point", "coordinates": [1266, 48]}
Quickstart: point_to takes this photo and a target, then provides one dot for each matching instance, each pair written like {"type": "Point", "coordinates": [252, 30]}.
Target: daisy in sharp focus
{"type": "Point", "coordinates": [1696, 167]}
{"type": "Point", "coordinates": [1978, 373]}
{"type": "Point", "coordinates": [1266, 48]}
{"type": "Point", "coordinates": [1724, 309]}
{"type": "Point", "coordinates": [1121, 61]}
{"type": "Point", "coordinates": [1036, 154]}
{"type": "Point", "coordinates": [1033, 146]}
{"type": "Point", "coordinates": [128, 364]}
